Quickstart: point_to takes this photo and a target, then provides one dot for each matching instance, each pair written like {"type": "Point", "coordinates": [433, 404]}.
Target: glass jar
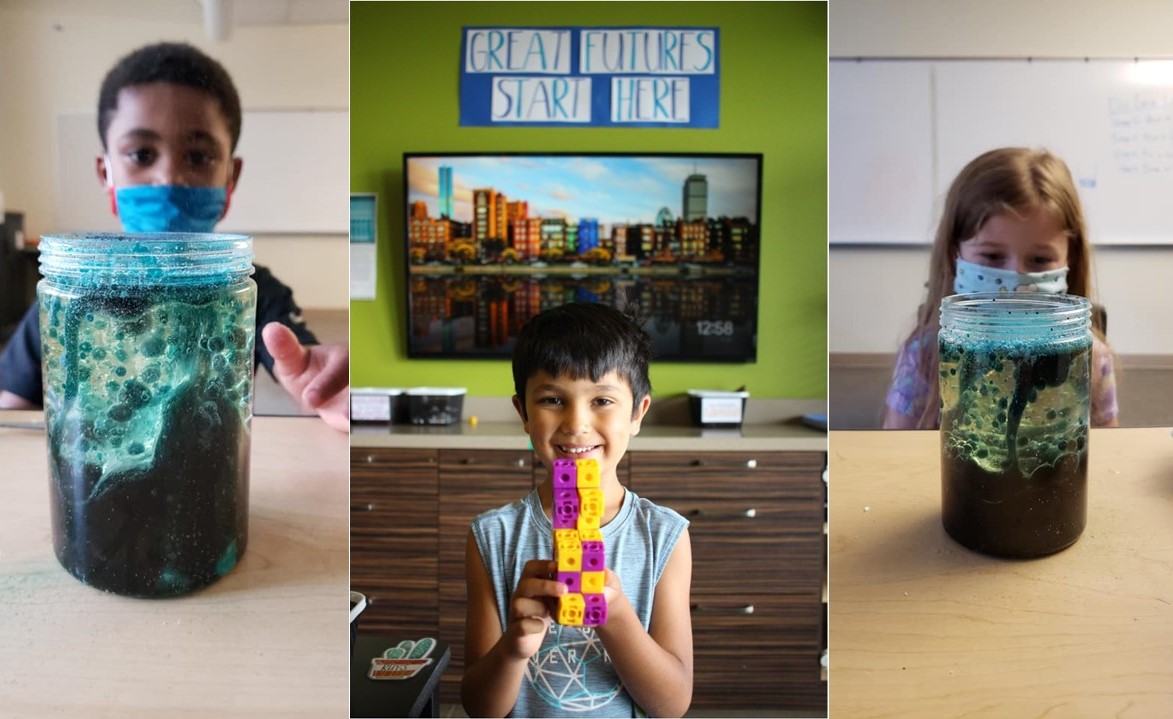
{"type": "Point", "coordinates": [147, 356]}
{"type": "Point", "coordinates": [1014, 420]}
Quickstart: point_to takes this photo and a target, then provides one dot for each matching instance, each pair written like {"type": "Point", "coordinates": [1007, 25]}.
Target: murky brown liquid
{"type": "Point", "coordinates": [1014, 447]}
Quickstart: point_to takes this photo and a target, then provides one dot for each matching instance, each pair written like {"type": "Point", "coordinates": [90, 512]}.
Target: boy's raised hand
{"type": "Point", "coordinates": [316, 376]}
{"type": "Point", "coordinates": [529, 608]}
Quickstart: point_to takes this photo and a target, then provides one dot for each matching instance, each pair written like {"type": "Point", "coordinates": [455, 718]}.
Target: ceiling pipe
{"type": "Point", "coordinates": [217, 19]}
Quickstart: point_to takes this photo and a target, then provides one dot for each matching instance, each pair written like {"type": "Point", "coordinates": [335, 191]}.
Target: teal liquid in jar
{"type": "Point", "coordinates": [147, 351]}
{"type": "Point", "coordinates": [1014, 378]}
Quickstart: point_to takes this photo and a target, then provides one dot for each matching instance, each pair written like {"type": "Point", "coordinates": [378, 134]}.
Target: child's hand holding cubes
{"type": "Point", "coordinates": [578, 543]}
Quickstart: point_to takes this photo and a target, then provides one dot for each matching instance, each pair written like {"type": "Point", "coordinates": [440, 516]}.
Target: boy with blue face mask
{"type": "Point", "coordinates": [169, 119]}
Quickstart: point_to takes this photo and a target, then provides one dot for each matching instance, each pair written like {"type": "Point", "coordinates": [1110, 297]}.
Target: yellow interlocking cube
{"type": "Point", "coordinates": [586, 524]}
{"type": "Point", "coordinates": [588, 473]}
{"type": "Point", "coordinates": [590, 535]}
{"type": "Point", "coordinates": [570, 609]}
{"type": "Point", "coordinates": [592, 582]}
{"type": "Point", "coordinates": [566, 535]}
{"type": "Point", "coordinates": [569, 557]}
{"type": "Point", "coordinates": [590, 502]}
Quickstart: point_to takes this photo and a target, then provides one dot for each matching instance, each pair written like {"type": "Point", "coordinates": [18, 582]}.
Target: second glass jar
{"type": "Point", "coordinates": [1014, 378]}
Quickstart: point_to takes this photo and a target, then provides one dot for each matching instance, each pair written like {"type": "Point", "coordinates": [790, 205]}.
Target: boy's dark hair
{"type": "Point", "coordinates": [175, 63]}
{"type": "Point", "coordinates": [581, 340]}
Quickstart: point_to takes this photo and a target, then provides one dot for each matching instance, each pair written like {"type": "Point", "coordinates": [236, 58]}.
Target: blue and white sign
{"type": "Point", "coordinates": [590, 77]}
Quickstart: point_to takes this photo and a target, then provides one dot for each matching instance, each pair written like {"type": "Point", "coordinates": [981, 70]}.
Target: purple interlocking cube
{"type": "Point", "coordinates": [593, 559]}
{"type": "Point", "coordinates": [595, 614]}
{"type": "Point", "coordinates": [572, 580]}
{"type": "Point", "coordinates": [565, 509]}
{"type": "Point", "coordinates": [565, 474]}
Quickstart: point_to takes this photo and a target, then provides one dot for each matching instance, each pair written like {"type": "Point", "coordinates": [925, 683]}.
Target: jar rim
{"type": "Point", "coordinates": [1013, 318]}
{"type": "Point", "coordinates": [164, 237]}
{"type": "Point", "coordinates": [94, 259]}
{"type": "Point", "coordinates": [1016, 301]}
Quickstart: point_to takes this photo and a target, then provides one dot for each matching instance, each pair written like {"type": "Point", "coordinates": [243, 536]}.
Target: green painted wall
{"type": "Point", "coordinates": [404, 83]}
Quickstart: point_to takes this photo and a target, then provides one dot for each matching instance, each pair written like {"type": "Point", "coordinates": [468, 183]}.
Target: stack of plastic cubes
{"type": "Point", "coordinates": [578, 543]}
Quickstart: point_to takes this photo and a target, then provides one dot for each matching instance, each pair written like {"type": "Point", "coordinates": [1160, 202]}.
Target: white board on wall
{"type": "Point", "coordinates": [880, 154]}
{"type": "Point", "coordinates": [295, 178]}
{"type": "Point", "coordinates": [1111, 121]}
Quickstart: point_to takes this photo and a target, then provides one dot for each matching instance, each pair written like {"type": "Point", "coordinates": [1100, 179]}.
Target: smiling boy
{"type": "Point", "coordinates": [169, 119]}
{"type": "Point", "coordinates": [580, 372]}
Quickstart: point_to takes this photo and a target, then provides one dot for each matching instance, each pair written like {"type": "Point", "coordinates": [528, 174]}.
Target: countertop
{"type": "Point", "coordinates": [782, 436]}
{"type": "Point", "coordinates": [922, 627]}
{"type": "Point", "coordinates": [269, 639]}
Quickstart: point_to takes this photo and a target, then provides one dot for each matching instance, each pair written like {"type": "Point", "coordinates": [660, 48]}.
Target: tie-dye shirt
{"type": "Point", "coordinates": [909, 391]}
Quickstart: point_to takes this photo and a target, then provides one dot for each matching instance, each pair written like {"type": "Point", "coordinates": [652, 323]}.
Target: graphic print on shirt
{"type": "Point", "coordinates": [558, 672]}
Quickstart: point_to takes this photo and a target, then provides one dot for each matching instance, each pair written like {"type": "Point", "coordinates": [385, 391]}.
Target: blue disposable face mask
{"type": "Point", "coordinates": [972, 277]}
{"type": "Point", "coordinates": [170, 208]}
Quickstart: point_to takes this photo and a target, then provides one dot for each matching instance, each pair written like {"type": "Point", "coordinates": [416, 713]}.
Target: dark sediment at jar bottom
{"type": "Point", "coordinates": [1009, 515]}
{"type": "Point", "coordinates": [173, 528]}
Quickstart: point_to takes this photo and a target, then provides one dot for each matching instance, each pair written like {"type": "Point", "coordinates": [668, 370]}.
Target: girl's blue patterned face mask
{"type": "Point", "coordinates": [972, 277]}
{"type": "Point", "coordinates": [170, 208]}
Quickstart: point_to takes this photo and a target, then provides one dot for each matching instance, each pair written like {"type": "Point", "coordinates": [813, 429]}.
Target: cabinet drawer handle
{"type": "Point", "coordinates": [736, 514]}
{"type": "Point", "coordinates": [704, 608]}
{"type": "Point", "coordinates": [512, 463]}
{"type": "Point", "coordinates": [368, 507]}
{"type": "Point", "coordinates": [748, 464]}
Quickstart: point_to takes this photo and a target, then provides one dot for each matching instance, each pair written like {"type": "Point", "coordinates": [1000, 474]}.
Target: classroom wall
{"type": "Point", "coordinates": [54, 54]}
{"type": "Point", "coordinates": [874, 291]}
{"type": "Point", "coordinates": [404, 82]}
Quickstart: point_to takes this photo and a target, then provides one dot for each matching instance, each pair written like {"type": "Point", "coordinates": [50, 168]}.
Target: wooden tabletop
{"type": "Point", "coordinates": [269, 639]}
{"type": "Point", "coordinates": [922, 627]}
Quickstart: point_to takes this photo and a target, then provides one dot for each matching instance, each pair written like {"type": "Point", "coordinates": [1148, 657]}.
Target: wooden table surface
{"type": "Point", "coordinates": [269, 639]}
{"type": "Point", "coordinates": [922, 627]}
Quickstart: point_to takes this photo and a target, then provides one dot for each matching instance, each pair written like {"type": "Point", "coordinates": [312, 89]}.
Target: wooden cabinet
{"type": "Point", "coordinates": [758, 556]}
{"type": "Point", "coordinates": [471, 482]}
{"type": "Point", "coordinates": [756, 524]}
{"type": "Point", "coordinates": [394, 539]}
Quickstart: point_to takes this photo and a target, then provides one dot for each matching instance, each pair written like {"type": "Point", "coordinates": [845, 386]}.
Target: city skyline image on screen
{"type": "Point", "coordinates": [493, 239]}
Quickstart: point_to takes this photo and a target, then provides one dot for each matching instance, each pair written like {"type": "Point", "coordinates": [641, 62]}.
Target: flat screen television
{"type": "Point", "coordinates": [494, 238]}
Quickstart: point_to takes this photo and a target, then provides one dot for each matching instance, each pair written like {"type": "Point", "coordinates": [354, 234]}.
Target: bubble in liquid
{"type": "Point", "coordinates": [135, 394]}
{"type": "Point", "coordinates": [153, 347]}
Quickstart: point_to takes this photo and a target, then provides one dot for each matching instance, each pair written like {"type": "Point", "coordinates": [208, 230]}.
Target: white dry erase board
{"type": "Point", "coordinates": [296, 176]}
{"type": "Point", "coordinates": [901, 130]}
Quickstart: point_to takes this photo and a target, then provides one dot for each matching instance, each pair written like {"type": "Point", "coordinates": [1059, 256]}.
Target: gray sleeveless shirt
{"type": "Point", "coordinates": [572, 675]}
